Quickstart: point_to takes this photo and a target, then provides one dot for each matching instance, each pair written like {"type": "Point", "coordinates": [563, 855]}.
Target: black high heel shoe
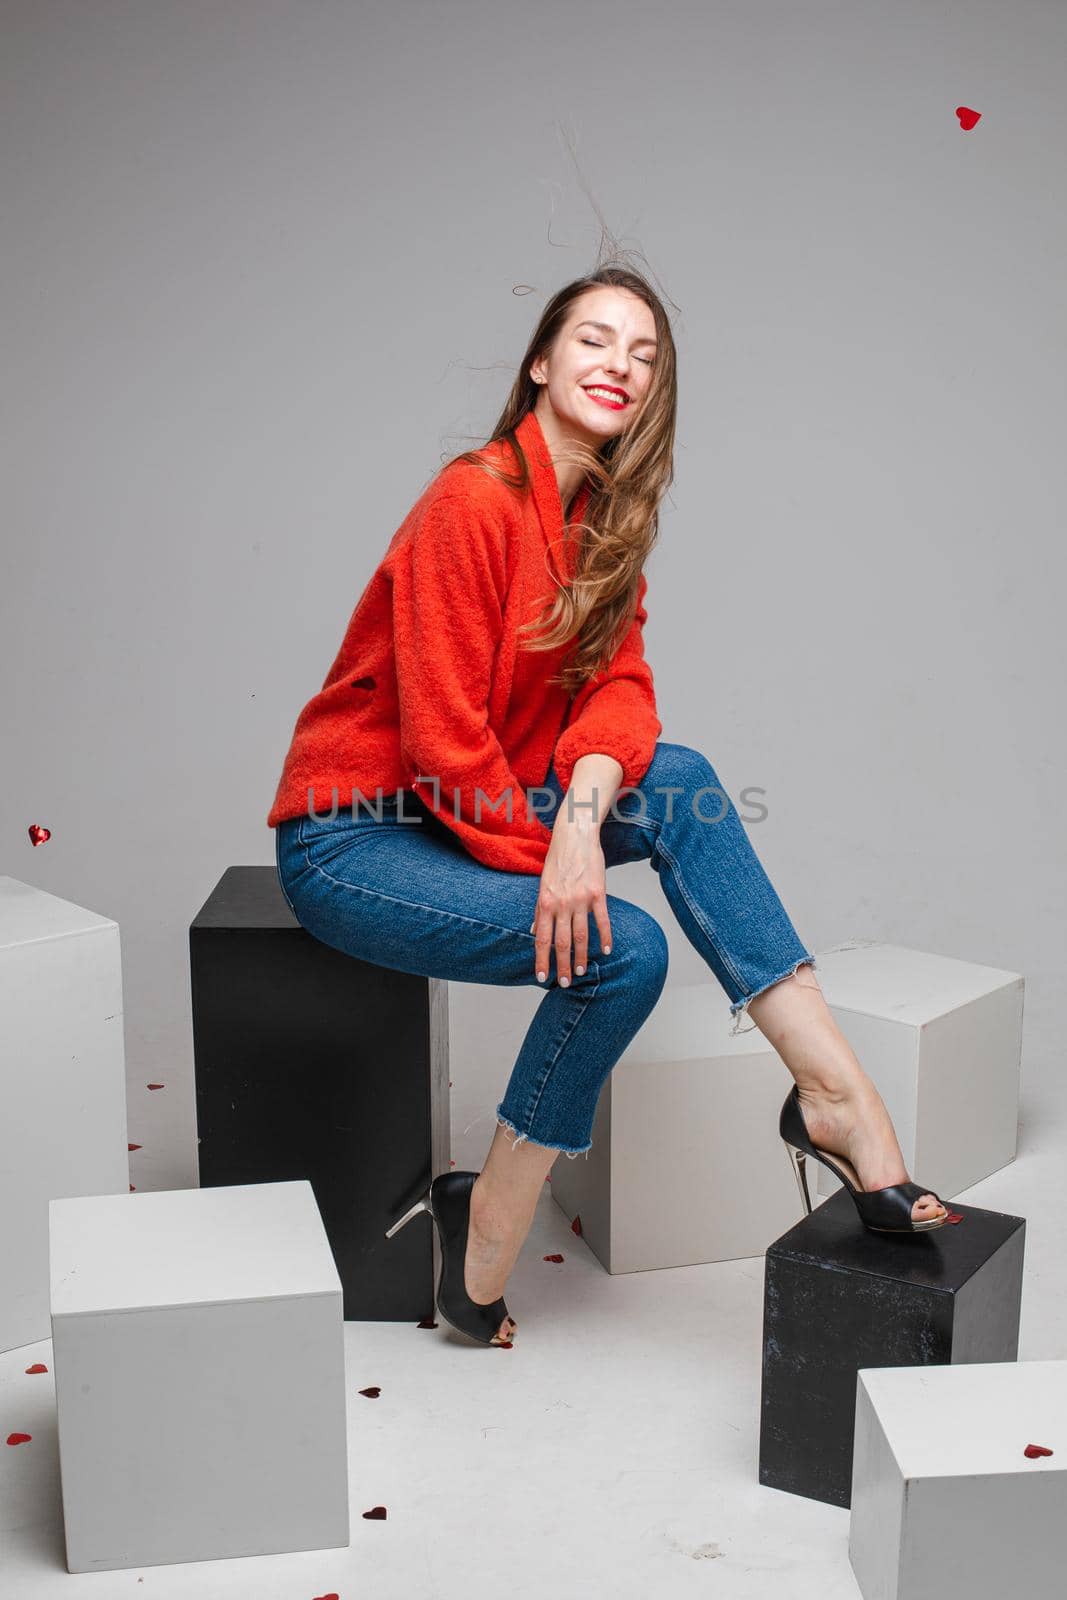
{"type": "Point", "coordinates": [882, 1210]}
{"type": "Point", "coordinates": [448, 1200]}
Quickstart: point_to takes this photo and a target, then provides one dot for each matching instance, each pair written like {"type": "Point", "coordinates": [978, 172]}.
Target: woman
{"type": "Point", "coordinates": [461, 758]}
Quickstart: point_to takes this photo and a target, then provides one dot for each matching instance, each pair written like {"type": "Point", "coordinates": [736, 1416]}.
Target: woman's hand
{"type": "Point", "coordinates": [572, 885]}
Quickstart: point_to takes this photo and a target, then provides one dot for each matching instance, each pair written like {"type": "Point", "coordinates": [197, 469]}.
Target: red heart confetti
{"type": "Point", "coordinates": [19, 1438]}
{"type": "Point", "coordinates": [551, 1258]}
{"type": "Point", "coordinates": [954, 1216]}
{"type": "Point", "coordinates": [1035, 1450]}
{"type": "Point", "coordinates": [155, 1086]}
{"type": "Point", "coordinates": [373, 1392]}
{"type": "Point", "coordinates": [38, 835]}
{"type": "Point", "coordinates": [967, 117]}
{"type": "Point", "coordinates": [427, 1322]}
{"type": "Point", "coordinates": [376, 1515]}
{"type": "Point", "coordinates": [318, 1596]}
{"type": "Point", "coordinates": [133, 1188]}
{"type": "Point", "coordinates": [576, 1225]}
{"type": "Point", "coordinates": [133, 1147]}
{"type": "Point", "coordinates": [38, 1366]}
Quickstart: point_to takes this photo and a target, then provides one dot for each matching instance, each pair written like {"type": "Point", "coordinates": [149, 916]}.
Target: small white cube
{"type": "Point", "coordinates": [198, 1345]}
{"type": "Point", "coordinates": [944, 1500]}
{"type": "Point", "coordinates": [62, 1083]}
{"type": "Point", "coordinates": [941, 1040]}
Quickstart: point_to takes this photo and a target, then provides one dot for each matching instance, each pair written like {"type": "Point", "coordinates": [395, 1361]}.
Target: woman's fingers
{"type": "Point", "coordinates": [542, 929]}
{"type": "Point", "coordinates": [580, 934]}
{"type": "Point", "coordinates": [600, 912]}
{"type": "Point", "coordinates": [563, 947]}
{"type": "Point", "coordinates": [571, 931]}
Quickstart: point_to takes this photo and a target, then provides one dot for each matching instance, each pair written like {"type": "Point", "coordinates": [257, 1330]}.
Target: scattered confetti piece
{"type": "Point", "coordinates": [967, 117]}
{"type": "Point", "coordinates": [38, 835]}
{"type": "Point", "coordinates": [155, 1086]}
{"type": "Point", "coordinates": [133, 1147]}
{"type": "Point", "coordinates": [38, 1366]}
{"type": "Point", "coordinates": [576, 1225]}
{"type": "Point", "coordinates": [427, 1322]}
{"type": "Point", "coordinates": [19, 1438]}
{"type": "Point", "coordinates": [954, 1216]}
{"type": "Point", "coordinates": [133, 1188]}
{"type": "Point", "coordinates": [1035, 1450]}
{"type": "Point", "coordinates": [373, 1392]}
{"type": "Point", "coordinates": [552, 1258]}
{"type": "Point", "coordinates": [377, 1514]}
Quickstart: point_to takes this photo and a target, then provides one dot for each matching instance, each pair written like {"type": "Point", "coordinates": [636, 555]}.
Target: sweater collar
{"type": "Point", "coordinates": [545, 488]}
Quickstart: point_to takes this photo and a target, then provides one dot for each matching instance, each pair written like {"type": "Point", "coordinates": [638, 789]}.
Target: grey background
{"type": "Point", "coordinates": [258, 281]}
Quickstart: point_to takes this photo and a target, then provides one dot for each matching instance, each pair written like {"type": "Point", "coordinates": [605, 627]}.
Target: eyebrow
{"type": "Point", "coordinates": [605, 327]}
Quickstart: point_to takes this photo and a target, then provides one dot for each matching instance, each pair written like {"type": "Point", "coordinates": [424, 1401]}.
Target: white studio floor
{"type": "Point", "coordinates": [612, 1452]}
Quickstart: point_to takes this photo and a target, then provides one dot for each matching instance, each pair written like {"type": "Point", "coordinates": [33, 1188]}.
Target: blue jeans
{"type": "Point", "coordinates": [405, 894]}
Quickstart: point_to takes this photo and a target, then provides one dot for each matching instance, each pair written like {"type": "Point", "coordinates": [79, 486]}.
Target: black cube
{"type": "Point", "coordinates": [312, 1064]}
{"type": "Point", "coordinates": [838, 1297]}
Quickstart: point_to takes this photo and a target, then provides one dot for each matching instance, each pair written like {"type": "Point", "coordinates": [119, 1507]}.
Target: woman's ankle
{"type": "Point", "coordinates": [841, 1083]}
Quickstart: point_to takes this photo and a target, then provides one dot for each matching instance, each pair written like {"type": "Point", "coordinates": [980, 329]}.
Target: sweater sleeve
{"type": "Point", "coordinates": [614, 713]}
{"type": "Point", "coordinates": [448, 613]}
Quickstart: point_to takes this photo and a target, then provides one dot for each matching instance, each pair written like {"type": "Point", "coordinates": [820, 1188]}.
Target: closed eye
{"type": "Point", "coordinates": [598, 346]}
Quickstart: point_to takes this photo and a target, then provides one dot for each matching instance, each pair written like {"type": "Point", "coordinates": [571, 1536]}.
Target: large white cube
{"type": "Point", "coordinates": [62, 1084]}
{"type": "Point", "coordinates": [941, 1040]}
{"type": "Point", "coordinates": [944, 1501]}
{"type": "Point", "coordinates": [687, 1164]}
{"type": "Point", "coordinates": [198, 1346]}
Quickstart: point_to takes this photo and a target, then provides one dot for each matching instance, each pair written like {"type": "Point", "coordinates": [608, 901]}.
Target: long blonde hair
{"type": "Point", "coordinates": [628, 477]}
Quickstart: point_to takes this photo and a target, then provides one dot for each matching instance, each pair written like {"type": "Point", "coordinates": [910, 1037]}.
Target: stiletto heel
{"type": "Point", "coordinates": [798, 1161]}
{"type": "Point", "coordinates": [881, 1210]}
{"type": "Point", "coordinates": [448, 1200]}
{"type": "Point", "coordinates": [420, 1205]}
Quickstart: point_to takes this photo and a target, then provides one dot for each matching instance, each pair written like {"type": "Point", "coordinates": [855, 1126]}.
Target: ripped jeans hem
{"type": "Point", "coordinates": [740, 1007]}
{"type": "Point", "coordinates": [524, 1138]}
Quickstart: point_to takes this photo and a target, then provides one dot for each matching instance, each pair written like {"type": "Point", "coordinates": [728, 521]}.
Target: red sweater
{"type": "Point", "coordinates": [430, 681]}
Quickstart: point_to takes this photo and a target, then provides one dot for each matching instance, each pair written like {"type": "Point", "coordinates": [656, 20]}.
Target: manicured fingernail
{"type": "Point", "coordinates": [579, 971]}
{"type": "Point", "coordinates": [607, 949]}
{"type": "Point", "coordinates": [563, 982]}
{"type": "Point", "coordinates": [540, 977]}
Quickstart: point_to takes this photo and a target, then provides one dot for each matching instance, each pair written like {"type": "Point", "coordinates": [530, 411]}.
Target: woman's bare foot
{"type": "Point", "coordinates": [498, 1229]}
{"type": "Point", "coordinates": [503, 1201]}
{"type": "Point", "coordinates": [843, 1111]}
{"type": "Point", "coordinates": [850, 1122]}
{"type": "Point", "coordinates": [494, 1238]}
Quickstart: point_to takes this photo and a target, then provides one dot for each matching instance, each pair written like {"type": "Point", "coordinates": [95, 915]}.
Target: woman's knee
{"type": "Point", "coordinates": [683, 769]}
{"type": "Point", "coordinates": [639, 940]}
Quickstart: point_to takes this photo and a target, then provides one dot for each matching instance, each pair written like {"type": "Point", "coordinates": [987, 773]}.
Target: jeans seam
{"type": "Point", "coordinates": [586, 996]}
{"type": "Point", "coordinates": [657, 834]}
{"type": "Point", "coordinates": [699, 918]}
{"type": "Point", "coordinates": [418, 905]}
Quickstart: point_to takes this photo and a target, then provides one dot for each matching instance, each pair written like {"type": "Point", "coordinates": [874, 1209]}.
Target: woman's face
{"type": "Point", "coordinates": [608, 340]}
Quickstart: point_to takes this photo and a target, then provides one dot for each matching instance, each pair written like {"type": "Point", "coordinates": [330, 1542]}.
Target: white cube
{"type": "Point", "coordinates": [198, 1345]}
{"type": "Point", "coordinates": [687, 1164]}
{"type": "Point", "coordinates": [944, 1501]}
{"type": "Point", "coordinates": [62, 1081]}
{"type": "Point", "coordinates": [941, 1040]}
